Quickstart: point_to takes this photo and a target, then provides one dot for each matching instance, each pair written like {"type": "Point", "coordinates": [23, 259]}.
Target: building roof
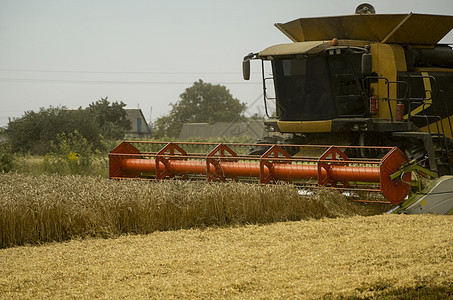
{"type": "Point", "coordinates": [254, 129]}
{"type": "Point", "coordinates": [136, 113]}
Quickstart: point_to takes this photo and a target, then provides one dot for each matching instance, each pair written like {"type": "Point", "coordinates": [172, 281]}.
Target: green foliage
{"type": "Point", "coordinates": [28, 164]}
{"type": "Point", "coordinates": [200, 103]}
{"type": "Point", "coordinates": [6, 157]}
{"type": "Point", "coordinates": [110, 117]}
{"type": "Point", "coordinates": [71, 154]}
{"type": "Point", "coordinates": [34, 132]}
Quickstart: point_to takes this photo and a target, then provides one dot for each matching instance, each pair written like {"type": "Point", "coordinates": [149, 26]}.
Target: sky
{"type": "Point", "coordinates": [147, 52]}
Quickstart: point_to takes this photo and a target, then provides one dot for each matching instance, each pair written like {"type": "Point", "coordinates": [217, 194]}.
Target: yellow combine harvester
{"type": "Point", "coordinates": [365, 79]}
{"type": "Point", "coordinates": [378, 87]}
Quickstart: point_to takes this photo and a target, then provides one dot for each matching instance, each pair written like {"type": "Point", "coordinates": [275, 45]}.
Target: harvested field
{"type": "Point", "coordinates": [389, 256]}
{"type": "Point", "coordinates": [39, 209]}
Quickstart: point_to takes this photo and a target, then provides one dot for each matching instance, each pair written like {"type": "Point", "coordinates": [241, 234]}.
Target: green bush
{"type": "Point", "coordinates": [70, 154]}
{"type": "Point", "coordinates": [34, 132]}
{"type": "Point", "coordinates": [6, 157]}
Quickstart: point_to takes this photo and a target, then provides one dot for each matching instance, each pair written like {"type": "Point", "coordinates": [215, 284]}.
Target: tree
{"type": "Point", "coordinates": [34, 132]}
{"type": "Point", "coordinates": [110, 117]}
{"type": "Point", "coordinates": [200, 103]}
{"type": "Point", "coordinates": [6, 155]}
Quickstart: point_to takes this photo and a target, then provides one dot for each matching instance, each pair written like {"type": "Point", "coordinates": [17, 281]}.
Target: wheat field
{"type": "Point", "coordinates": [38, 209]}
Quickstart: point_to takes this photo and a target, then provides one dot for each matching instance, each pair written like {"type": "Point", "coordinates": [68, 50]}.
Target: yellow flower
{"type": "Point", "coordinates": [72, 156]}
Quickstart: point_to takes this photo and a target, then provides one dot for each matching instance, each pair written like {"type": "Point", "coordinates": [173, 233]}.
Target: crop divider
{"type": "Point", "coordinates": [267, 161]}
{"type": "Point", "coordinates": [163, 157]}
{"type": "Point", "coordinates": [324, 163]}
{"type": "Point", "coordinates": [213, 162]}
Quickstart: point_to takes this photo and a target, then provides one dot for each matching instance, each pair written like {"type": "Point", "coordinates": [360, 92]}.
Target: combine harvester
{"type": "Point", "coordinates": [380, 87]}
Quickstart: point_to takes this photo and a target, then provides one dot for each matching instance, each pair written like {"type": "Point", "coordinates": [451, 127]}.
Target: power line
{"type": "Point", "coordinates": [118, 72]}
{"type": "Point", "coordinates": [72, 81]}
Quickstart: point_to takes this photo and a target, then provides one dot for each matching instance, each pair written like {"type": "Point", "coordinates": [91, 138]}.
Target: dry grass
{"type": "Point", "coordinates": [38, 209]}
{"type": "Point", "coordinates": [385, 256]}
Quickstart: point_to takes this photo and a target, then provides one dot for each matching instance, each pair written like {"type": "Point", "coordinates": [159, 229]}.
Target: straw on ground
{"type": "Point", "coordinates": [387, 255]}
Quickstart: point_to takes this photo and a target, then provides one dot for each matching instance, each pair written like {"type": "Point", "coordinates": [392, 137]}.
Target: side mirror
{"type": "Point", "coordinates": [246, 69]}
{"type": "Point", "coordinates": [367, 64]}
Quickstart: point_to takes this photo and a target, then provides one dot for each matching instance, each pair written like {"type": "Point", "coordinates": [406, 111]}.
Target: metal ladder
{"type": "Point", "coordinates": [442, 144]}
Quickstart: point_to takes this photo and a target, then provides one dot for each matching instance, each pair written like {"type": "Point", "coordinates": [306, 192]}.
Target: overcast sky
{"type": "Point", "coordinates": [146, 53]}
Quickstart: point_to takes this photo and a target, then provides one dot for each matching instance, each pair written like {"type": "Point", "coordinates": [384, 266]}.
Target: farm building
{"type": "Point", "coordinates": [140, 128]}
{"type": "Point", "coordinates": [253, 129]}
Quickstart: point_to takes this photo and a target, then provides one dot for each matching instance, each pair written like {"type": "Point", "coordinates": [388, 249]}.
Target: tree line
{"type": "Point", "coordinates": [36, 132]}
{"type": "Point", "coordinates": [103, 120]}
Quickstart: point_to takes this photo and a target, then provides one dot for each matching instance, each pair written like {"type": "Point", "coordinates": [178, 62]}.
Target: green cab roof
{"type": "Point", "coordinates": [306, 48]}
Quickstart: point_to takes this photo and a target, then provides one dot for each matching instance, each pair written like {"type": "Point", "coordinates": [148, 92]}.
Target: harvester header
{"type": "Point", "coordinates": [331, 167]}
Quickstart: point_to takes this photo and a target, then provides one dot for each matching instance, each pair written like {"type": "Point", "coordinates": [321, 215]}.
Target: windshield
{"type": "Point", "coordinates": [318, 88]}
